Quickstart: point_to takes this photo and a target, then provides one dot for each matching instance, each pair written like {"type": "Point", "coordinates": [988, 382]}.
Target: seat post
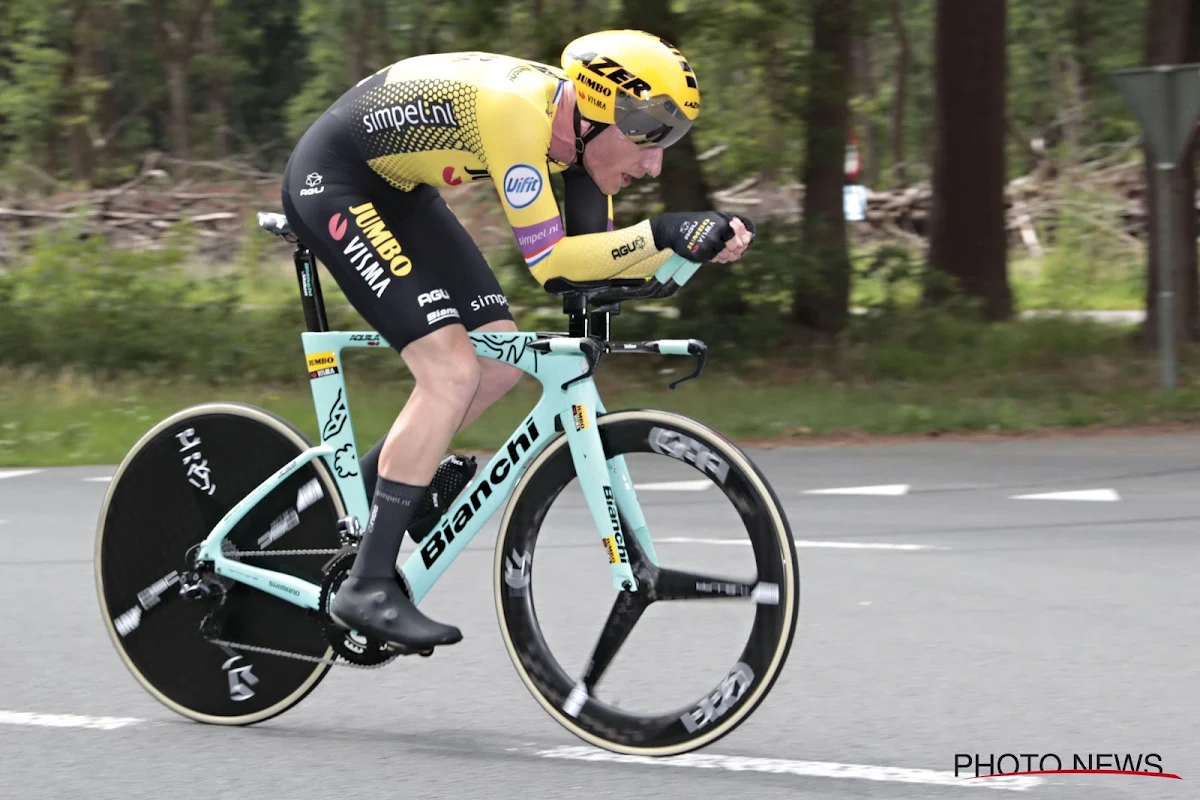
{"type": "Point", "coordinates": [599, 321]}
{"type": "Point", "coordinates": [575, 307]}
{"type": "Point", "coordinates": [310, 290]}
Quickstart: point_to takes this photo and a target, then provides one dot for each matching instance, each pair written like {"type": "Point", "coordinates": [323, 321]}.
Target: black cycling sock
{"type": "Point", "coordinates": [370, 468]}
{"type": "Point", "coordinates": [391, 510]}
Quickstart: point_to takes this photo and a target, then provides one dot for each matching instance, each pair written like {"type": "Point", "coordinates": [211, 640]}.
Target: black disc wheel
{"type": "Point", "coordinates": [691, 652]}
{"type": "Point", "coordinates": [171, 490]}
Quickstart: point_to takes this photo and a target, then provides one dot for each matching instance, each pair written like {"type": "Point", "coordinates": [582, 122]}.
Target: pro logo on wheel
{"type": "Point", "coordinates": [768, 589]}
{"type": "Point", "coordinates": [152, 522]}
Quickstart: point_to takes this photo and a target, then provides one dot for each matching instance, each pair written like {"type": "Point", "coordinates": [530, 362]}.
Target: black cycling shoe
{"type": "Point", "coordinates": [380, 609]}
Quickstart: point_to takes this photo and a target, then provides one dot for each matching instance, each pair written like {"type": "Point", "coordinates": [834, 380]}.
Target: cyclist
{"type": "Point", "coordinates": [360, 189]}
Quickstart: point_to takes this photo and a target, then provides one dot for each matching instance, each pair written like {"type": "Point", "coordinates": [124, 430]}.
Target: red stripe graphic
{"type": "Point", "coordinates": [1081, 772]}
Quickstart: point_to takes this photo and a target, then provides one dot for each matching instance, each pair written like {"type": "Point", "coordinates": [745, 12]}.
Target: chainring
{"type": "Point", "coordinates": [350, 645]}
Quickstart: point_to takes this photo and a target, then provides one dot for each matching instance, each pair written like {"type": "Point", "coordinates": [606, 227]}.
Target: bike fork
{"type": "Point", "coordinates": [599, 487]}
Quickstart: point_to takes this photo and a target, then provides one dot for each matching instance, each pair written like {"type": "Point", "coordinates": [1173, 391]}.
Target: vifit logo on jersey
{"type": "Point", "coordinates": [522, 185]}
{"type": "Point", "coordinates": [419, 112]}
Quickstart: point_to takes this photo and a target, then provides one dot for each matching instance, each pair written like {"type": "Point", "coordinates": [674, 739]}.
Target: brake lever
{"type": "Point", "coordinates": [592, 351]}
{"type": "Point", "coordinates": [700, 350]}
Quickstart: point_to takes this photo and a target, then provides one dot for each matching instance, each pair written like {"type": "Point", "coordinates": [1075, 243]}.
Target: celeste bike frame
{"type": "Point", "coordinates": [570, 403]}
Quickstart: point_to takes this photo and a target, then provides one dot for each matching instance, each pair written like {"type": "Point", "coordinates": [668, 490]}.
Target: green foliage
{"type": "Point", "coordinates": [79, 304]}
{"type": "Point", "coordinates": [265, 69]}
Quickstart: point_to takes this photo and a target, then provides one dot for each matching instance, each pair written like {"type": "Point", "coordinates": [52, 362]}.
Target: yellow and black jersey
{"type": "Point", "coordinates": [448, 118]}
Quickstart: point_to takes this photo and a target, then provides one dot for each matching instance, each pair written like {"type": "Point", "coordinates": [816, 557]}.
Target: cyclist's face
{"type": "Point", "coordinates": [614, 161]}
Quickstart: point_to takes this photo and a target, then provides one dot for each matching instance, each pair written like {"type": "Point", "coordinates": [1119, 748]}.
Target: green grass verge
{"type": "Point", "coordinates": [1020, 377]}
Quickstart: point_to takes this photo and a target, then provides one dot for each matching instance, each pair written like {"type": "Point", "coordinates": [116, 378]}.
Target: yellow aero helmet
{"type": "Point", "coordinates": [636, 81]}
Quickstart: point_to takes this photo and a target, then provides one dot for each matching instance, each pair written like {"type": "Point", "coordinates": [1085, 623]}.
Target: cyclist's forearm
{"type": "Point", "coordinates": [597, 256]}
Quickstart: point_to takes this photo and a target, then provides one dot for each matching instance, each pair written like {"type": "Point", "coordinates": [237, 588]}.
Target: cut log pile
{"type": "Point", "coordinates": [217, 210]}
{"type": "Point", "coordinates": [1112, 200]}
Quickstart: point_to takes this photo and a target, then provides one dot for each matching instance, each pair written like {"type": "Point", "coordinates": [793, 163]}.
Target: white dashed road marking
{"type": "Point", "coordinates": [16, 473]}
{"type": "Point", "coordinates": [65, 720]}
{"type": "Point", "coordinates": [773, 766]}
{"type": "Point", "coordinates": [806, 769]}
{"type": "Point", "coordinates": [102, 479]}
{"type": "Point", "coordinates": [1092, 495]}
{"type": "Point", "coordinates": [886, 490]}
{"type": "Point", "coordinates": [801, 543]}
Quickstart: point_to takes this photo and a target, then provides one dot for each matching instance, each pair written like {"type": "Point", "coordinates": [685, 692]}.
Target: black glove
{"type": "Point", "coordinates": [695, 235]}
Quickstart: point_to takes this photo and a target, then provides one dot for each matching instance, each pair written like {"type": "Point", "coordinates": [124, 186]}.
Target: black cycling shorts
{"type": "Point", "coordinates": [402, 259]}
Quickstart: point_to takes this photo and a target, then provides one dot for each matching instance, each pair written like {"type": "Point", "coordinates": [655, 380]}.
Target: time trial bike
{"type": "Point", "coordinates": [225, 533]}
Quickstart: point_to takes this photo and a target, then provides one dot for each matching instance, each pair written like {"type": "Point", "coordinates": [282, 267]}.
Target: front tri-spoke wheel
{"type": "Point", "coordinates": [686, 657]}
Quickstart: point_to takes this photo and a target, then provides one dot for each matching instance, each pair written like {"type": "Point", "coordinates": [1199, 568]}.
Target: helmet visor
{"type": "Point", "coordinates": [655, 122]}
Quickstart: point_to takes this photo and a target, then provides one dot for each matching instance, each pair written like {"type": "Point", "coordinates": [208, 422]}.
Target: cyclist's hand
{"type": "Point", "coordinates": [736, 245]}
{"type": "Point", "coordinates": [700, 235]}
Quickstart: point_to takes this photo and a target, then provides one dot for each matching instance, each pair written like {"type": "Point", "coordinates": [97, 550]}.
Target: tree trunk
{"type": "Point", "coordinates": [357, 40]}
{"type": "Point", "coordinates": [900, 100]}
{"type": "Point", "coordinates": [864, 80]}
{"type": "Point", "coordinates": [1171, 38]}
{"type": "Point", "coordinates": [968, 242]}
{"type": "Point", "coordinates": [776, 88]}
{"type": "Point", "coordinates": [822, 294]}
{"type": "Point", "coordinates": [218, 111]}
{"type": "Point", "coordinates": [681, 185]}
{"type": "Point", "coordinates": [177, 94]}
{"type": "Point", "coordinates": [1083, 32]}
{"type": "Point", "coordinates": [175, 42]}
{"type": "Point", "coordinates": [74, 79]}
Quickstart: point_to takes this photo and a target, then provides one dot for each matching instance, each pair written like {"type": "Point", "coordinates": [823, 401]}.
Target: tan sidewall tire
{"type": "Point", "coordinates": [289, 432]}
{"type": "Point", "coordinates": [789, 596]}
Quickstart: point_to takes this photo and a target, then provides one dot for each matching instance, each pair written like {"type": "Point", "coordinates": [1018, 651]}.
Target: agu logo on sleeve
{"type": "Point", "coordinates": [522, 185]}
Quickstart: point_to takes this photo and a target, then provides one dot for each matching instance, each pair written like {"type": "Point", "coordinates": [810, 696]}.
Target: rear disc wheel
{"type": "Point", "coordinates": [169, 492]}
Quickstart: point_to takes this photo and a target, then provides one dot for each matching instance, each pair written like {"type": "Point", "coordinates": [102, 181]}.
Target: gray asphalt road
{"type": "Point", "coordinates": [1019, 626]}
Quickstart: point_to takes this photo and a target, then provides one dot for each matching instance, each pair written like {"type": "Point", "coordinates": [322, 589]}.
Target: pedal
{"type": "Point", "coordinates": [452, 476]}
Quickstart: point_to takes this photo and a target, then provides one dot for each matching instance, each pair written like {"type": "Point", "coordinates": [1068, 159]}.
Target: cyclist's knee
{"type": "Point", "coordinates": [496, 377]}
{"type": "Point", "coordinates": [444, 365]}
{"type": "Point", "coordinates": [458, 378]}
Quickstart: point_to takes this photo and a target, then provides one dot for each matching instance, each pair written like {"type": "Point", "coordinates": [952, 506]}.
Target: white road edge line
{"type": "Point", "coordinates": [66, 720]}
{"type": "Point", "coordinates": [1092, 495]}
{"type": "Point", "coordinates": [674, 486]}
{"type": "Point", "coordinates": [16, 473]}
{"type": "Point", "coordinates": [885, 490]}
{"type": "Point", "coordinates": [101, 479]}
{"type": "Point", "coordinates": [802, 543]}
{"type": "Point", "coordinates": [806, 769]}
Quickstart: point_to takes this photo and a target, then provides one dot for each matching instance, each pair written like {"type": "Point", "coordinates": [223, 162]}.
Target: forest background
{"type": "Point", "coordinates": [1006, 192]}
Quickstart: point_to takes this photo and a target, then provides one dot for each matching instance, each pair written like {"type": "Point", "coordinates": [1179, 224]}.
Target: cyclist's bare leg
{"type": "Point", "coordinates": [370, 599]}
{"type": "Point", "coordinates": [495, 377]}
{"type": "Point", "coordinates": [447, 374]}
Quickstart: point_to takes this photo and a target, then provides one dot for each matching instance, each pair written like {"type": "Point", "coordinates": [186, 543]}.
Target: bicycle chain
{"type": "Point", "coordinates": [264, 553]}
{"type": "Point", "coordinates": [334, 662]}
